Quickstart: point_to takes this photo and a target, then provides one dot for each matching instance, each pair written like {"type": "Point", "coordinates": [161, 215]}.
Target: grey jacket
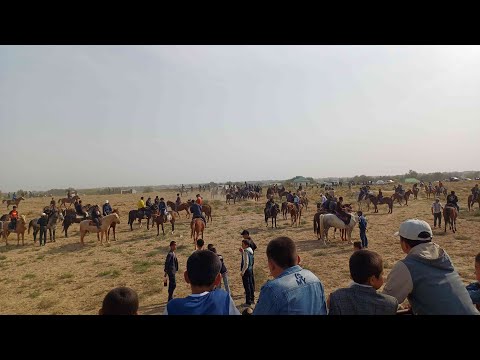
{"type": "Point", "coordinates": [171, 263]}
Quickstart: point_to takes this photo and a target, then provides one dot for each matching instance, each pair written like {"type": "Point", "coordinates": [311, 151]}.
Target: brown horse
{"type": "Point", "coordinates": [113, 225]}
{"type": "Point", "coordinates": [160, 220]}
{"type": "Point", "coordinates": [450, 216]}
{"type": "Point", "coordinates": [228, 197]}
{"type": "Point", "coordinates": [471, 202]}
{"type": "Point", "coordinates": [385, 200]}
{"type": "Point", "coordinates": [181, 207]}
{"type": "Point", "coordinates": [197, 225]}
{"type": "Point", "coordinates": [284, 210]}
{"type": "Point", "coordinates": [399, 197]}
{"type": "Point", "coordinates": [70, 201]}
{"type": "Point", "coordinates": [13, 202]}
{"type": "Point", "coordinates": [429, 192]}
{"type": "Point", "coordinates": [19, 229]}
{"type": "Point", "coordinates": [295, 215]}
{"type": "Point", "coordinates": [86, 226]}
{"type": "Point", "coordinates": [207, 209]}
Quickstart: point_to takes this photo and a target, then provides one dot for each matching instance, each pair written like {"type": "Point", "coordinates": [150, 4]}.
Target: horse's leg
{"type": "Point", "coordinates": [173, 226]}
{"type": "Point", "coordinates": [163, 231]}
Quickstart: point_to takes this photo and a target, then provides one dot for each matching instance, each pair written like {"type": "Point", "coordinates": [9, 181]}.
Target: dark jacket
{"type": "Point", "coordinates": [171, 263]}
{"type": "Point", "coordinates": [43, 221]}
{"type": "Point", "coordinates": [360, 300]}
{"type": "Point", "coordinates": [107, 209]}
{"type": "Point", "coordinates": [196, 210]}
{"type": "Point", "coordinates": [251, 243]}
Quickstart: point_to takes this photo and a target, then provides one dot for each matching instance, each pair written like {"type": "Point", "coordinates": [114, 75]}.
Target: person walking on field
{"type": "Point", "coordinates": [437, 208]}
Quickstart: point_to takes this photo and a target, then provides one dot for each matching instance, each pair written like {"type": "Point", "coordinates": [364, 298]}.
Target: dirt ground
{"type": "Point", "coordinates": [65, 277]}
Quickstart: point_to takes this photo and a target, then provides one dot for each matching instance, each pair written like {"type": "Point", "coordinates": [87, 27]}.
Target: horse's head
{"type": "Point", "coordinates": [21, 198]}
{"type": "Point", "coordinates": [117, 218]}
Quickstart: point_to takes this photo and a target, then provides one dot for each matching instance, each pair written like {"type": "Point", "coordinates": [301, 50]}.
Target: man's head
{"type": "Point", "coordinates": [43, 214]}
{"type": "Point", "coordinates": [357, 245]}
{"type": "Point", "coordinates": [437, 200]}
{"type": "Point", "coordinates": [245, 243]}
{"type": "Point", "coordinates": [245, 234]}
{"type": "Point", "coordinates": [106, 201]}
{"type": "Point", "coordinates": [141, 198]}
{"type": "Point", "coordinates": [359, 213]}
{"type": "Point", "coordinates": [161, 199]}
{"type": "Point", "coordinates": [477, 266]}
{"type": "Point", "coordinates": [281, 255]}
{"type": "Point", "coordinates": [178, 194]}
{"type": "Point", "coordinates": [14, 207]}
{"type": "Point", "coordinates": [200, 244]}
{"type": "Point", "coordinates": [414, 232]}
{"type": "Point", "coordinates": [452, 192]}
{"type": "Point", "coordinates": [203, 269]}
{"type": "Point", "coordinates": [209, 247]}
{"type": "Point", "coordinates": [120, 301]}
{"type": "Point", "coordinates": [173, 245]}
{"type": "Point", "coordinates": [366, 267]}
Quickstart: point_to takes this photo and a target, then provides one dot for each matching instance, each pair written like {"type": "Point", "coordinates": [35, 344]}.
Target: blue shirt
{"type": "Point", "coordinates": [474, 292]}
{"type": "Point", "coordinates": [296, 291]}
{"type": "Point", "coordinates": [195, 210]}
{"type": "Point", "coordinates": [216, 302]}
{"type": "Point", "coordinates": [362, 223]}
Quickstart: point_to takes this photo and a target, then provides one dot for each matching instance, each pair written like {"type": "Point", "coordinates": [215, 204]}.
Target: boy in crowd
{"type": "Point", "coordinates": [294, 290]}
{"type": "Point", "coordinates": [361, 298]}
{"type": "Point", "coordinates": [246, 269]}
{"type": "Point", "coordinates": [362, 224]}
{"type": "Point", "coordinates": [474, 288]}
{"type": "Point", "coordinates": [203, 275]}
{"type": "Point", "coordinates": [120, 301]}
{"type": "Point", "coordinates": [357, 245]}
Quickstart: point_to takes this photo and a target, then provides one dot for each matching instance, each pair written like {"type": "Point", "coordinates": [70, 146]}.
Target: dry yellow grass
{"type": "Point", "coordinates": [67, 278]}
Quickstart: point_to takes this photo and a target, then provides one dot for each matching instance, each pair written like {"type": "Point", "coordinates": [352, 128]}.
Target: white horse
{"type": "Point", "coordinates": [331, 220]}
{"type": "Point", "coordinates": [105, 225]}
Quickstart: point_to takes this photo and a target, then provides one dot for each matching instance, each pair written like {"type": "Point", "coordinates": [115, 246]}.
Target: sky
{"type": "Point", "coordinates": [107, 116]}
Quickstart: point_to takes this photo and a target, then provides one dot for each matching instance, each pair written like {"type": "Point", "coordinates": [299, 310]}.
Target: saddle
{"type": "Point", "coordinates": [193, 220]}
{"type": "Point", "coordinates": [344, 217]}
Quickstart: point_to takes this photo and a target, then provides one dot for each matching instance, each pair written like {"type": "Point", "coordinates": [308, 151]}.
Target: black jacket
{"type": "Point", "coordinates": [171, 263]}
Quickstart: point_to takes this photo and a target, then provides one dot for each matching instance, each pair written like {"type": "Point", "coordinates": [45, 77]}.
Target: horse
{"type": "Point", "coordinates": [471, 202]}
{"type": "Point", "coordinates": [113, 225]}
{"type": "Point", "coordinates": [207, 209]}
{"type": "Point", "coordinates": [284, 210]}
{"type": "Point", "coordinates": [52, 224]}
{"type": "Point", "coordinates": [271, 213]}
{"type": "Point", "coordinates": [429, 191]}
{"type": "Point", "coordinates": [182, 206]}
{"type": "Point", "coordinates": [214, 192]}
{"type": "Point", "coordinates": [282, 193]}
{"type": "Point", "coordinates": [295, 215]}
{"type": "Point", "coordinates": [20, 229]}
{"type": "Point", "coordinates": [450, 216]}
{"type": "Point", "coordinates": [70, 217]}
{"type": "Point", "coordinates": [385, 200]}
{"type": "Point", "coordinates": [331, 220]}
{"type": "Point", "coordinates": [139, 214]}
{"type": "Point", "coordinates": [70, 201]}
{"type": "Point", "coordinates": [105, 225]}
{"type": "Point", "coordinates": [366, 201]}
{"type": "Point", "coordinates": [13, 202]}
{"type": "Point", "coordinates": [197, 225]}
{"type": "Point", "coordinates": [228, 197]}
{"type": "Point", "coordinates": [316, 221]}
{"type": "Point", "coordinates": [160, 220]}
{"type": "Point", "coordinates": [415, 193]}
{"type": "Point", "coordinates": [399, 197]}
{"type": "Point", "coordinates": [5, 217]}
{"type": "Point", "coordinates": [304, 201]}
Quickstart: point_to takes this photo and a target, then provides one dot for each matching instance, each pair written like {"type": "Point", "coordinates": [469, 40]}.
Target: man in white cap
{"type": "Point", "coordinates": [426, 276]}
{"type": "Point", "coordinates": [42, 222]}
{"type": "Point", "coordinates": [107, 209]}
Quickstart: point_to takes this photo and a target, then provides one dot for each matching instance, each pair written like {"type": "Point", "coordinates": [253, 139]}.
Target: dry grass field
{"type": "Point", "coordinates": [67, 278]}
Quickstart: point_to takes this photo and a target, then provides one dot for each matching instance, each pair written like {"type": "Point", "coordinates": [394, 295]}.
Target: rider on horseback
{"type": "Point", "coordinates": [96, 216]}
{"type": "Point", "coordinates": [399, 190]}
{"type": "Point", "coordinates": [452, 200]}
{"type": "Point", "coordinates": [156, 201]}
{"type": "Point", "coordinates": [177, 202]}
{"type": "Point", "coordinates": [380, 195]}
{"type": "Point", "coordinates": [296, 201]}
{"type": "Point", "coordinates": [14, 196]}
{"type": "Point", "coordinates": [107, 209]}
{"type": "Point", "coordinates": [475, 192]}
{"type": "Point", "coordinates": [13, 218]}
{"type": "Point", "coordinates": [162, 207]}
{"type": "Point", "coordinates": [196, 211]}
{"type": "Point", "coordinates": [290, 197]}
{"type": "Point", "coordinates": [148, 204]}
{"type": "Point", "coordinates": [79, 210]}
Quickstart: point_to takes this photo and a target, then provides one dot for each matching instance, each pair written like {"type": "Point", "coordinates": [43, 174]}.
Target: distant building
{"type": "Point", "coordinates": [129, 191]}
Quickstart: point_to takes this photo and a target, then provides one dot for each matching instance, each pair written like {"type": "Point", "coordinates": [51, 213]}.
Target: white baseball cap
{"type": "Point", "coordinates": [43, 214]}
{"type": "Point", "coordinates": [106, 201]}
{"type": "Point", "coordinates": [412, 228]}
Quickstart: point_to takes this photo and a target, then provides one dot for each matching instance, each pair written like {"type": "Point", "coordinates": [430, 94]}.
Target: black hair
{"type": "Point", "coordinates": [212, 249]}
{"type": "Point", "coordinates": [203, 266]}
{"type": "Point", "coordinates": [364, 264]}
{"type": "Point", "coordinates": [282, 251]}
{"type": "Point", "coordinates": [120, 301]}
{"type": "Point", "coordinates": [172, 242]}
{"type": "Point", "coordinates": [200, 242]}
{"type": "Point", "coordinates": [209, 246]}
{"type": "Point", "coordinates": [477, 258]}
{"type": "Point", "coordinates": [423, 235]}
{"type": "Point", "coordinates": [359, 213]}
{"type": "Point", "coordinates": [246, 242]}
{"type": "Point", "coordinates": [357, 244]}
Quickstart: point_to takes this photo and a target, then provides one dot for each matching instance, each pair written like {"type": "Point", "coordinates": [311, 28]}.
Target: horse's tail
{"type": "Point", "coordinates": [29, 226]}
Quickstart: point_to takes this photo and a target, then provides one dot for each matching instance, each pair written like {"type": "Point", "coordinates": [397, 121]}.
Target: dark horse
{"type": "Point", "coordinates": [316, 221]}
{"type": "Point", "coordinates": [141, 214]}
{"type": "Point", "coordinates": [405, 197]}
{"type": "Point", "coordinates": [450, 216]}
{"type": "Point", "coordinates": [230, 196]}
{"type": "Point", "coordinates": [471, 202]}
{"type": "Point", "coordinates": [271, 213]}
{"type": "Point", "coordinates": [160, 220]}
{"type": "Point", "coordinates": [207, 209]}
{"type": "Point", "coordinates": [385, 200]}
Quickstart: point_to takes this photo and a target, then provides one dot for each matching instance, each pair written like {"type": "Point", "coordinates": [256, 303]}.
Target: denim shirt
{"type": "Point", "coordinates": [295, 291]}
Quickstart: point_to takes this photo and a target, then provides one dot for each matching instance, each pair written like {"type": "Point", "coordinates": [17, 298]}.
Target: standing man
{"type": "Point", "coordinates": [362, 225]}
{"type": "Point", "coordinates": [437, 208]}
{"type": "Point", "coordinates": [426, 276]}
{"type": "Point", "coordinates": [246, 269]}
{"type": "Point", "coordinates": [43, 228]}
{"type": "Point", "coordinates": [171, 268]}
{"type": "Point", "coordinates": [294, 290]}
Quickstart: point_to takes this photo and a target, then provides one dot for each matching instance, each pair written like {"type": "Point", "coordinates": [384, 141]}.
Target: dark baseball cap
{"type": "Point", "coordinates": [245, 232]}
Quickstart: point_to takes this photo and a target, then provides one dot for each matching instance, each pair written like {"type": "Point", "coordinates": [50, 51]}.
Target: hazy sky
{"type": "Point", "coordinates": [94, 116]}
